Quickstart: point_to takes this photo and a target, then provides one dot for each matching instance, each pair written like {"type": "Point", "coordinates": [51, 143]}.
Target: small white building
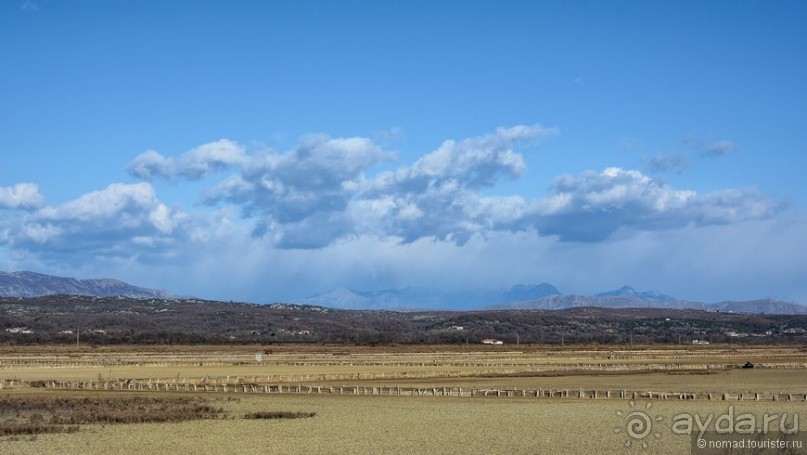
{"type": "Point", "coordinates": [492, 341]}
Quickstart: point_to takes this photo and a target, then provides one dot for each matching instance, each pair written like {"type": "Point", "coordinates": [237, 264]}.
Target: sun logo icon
{"type": "Point", "coordinates": [638, 425]}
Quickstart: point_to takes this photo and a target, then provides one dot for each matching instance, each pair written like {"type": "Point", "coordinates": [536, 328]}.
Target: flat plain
{"type": "Point", "coordinates": [432, 422]}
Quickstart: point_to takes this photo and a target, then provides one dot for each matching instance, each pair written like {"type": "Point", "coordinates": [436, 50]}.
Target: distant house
{"type": "Point", "coordinates": [492, 341]}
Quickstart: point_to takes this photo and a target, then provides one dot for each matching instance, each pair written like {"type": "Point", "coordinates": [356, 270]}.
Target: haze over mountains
{"type": "Point", "coordinates": [410, 299]}
{"type": "Point", "coordinates": [543, 296]}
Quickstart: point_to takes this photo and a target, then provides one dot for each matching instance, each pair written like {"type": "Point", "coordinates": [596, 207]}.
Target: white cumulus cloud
{"type": "Point", "coordinates": [201, 162]}
{"type": "Point", "coordinates": [21, 196]}
{"type": "Point", "coordinates": [592, 206]}
{"type": "Point", "coordinates": [438, 195]}
{"type": "Point", "coordinates": [301, 196]}
{"type": "Point", "coordinates": [118, 220]}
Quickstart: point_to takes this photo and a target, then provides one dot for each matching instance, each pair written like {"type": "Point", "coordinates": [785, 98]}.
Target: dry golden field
{"type": "Point", "coordinates": [372, 424]}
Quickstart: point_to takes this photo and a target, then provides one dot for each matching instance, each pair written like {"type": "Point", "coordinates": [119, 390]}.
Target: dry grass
{"type": "Point", "coordinates": [383, 424]}
{"type": "Point", "coordinates": [395, 425]}
{"type": "Point", "coordinates": [732, 381]}
{"type": "Point", "coordinates": [26, 415]}
{"type": "Point", "coordinates": [63, 364]}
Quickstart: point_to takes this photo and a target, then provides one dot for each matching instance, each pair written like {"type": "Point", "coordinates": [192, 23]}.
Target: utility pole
{"type": "Point", "coordinates": [78, 330]}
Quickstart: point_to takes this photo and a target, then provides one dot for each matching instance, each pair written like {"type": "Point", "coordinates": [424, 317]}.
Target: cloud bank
{"type": "Point", "coordinates": [325, 198]}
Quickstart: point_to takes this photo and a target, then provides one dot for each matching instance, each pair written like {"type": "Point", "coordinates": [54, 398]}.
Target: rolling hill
{"type": "Point", "coordinates": [31, 284]}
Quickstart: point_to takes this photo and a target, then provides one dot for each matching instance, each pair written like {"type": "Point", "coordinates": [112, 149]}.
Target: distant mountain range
{"type": "Point", "coordinates": [559, 302]}
{"type": "Point", "coordinates": [30, 284]}
{"type": "Point", "coordinates": [647, 296]}
{"type": "Point", "coordinates": [543, 296]}
{"type": "Point", "coordinates": [413, 299]}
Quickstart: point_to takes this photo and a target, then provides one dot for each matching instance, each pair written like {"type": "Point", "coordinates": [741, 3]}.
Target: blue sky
{"type": "Point", "coordinates": [265, 151]}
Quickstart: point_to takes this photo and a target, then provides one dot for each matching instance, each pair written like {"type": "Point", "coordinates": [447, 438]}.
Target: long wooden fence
{"type": "Point", "coordinates": [254, 388]}
{"type": "Point", "coordinates": [778, 358]}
